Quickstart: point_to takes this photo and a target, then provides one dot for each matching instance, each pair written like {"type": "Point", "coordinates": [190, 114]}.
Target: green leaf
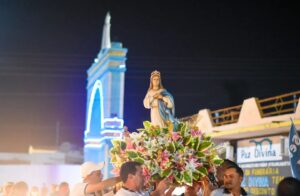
{"type": "Point", "coordinates": [188, 178]}
{"type": "Point", "coordinates": [147, 124]}
{"type": "Point", "coordinates": [123, 145]}
{"type": "Point", "coordinates": [179, 126]}
{"type": "Point", "coordinates": [139, 160]}
{"type": "Point", "coordinates": [183, 130]}
{"type": "Point", "coordinates": [202, 171]}
{"type": "Point", "coordinates": [116, 143]}
{"type": "Point", "coordinates": [200, 154]}
{"type": "Point", "coordinates": [168, 164]}
{"type": "Point", "coordinates": [187, 139]}
{"type": "Point", "coordinates": [166, 173]}
{"type": "Point", "coordinates": [196, 176]}
{"type": "Point", "coordinates": [156, 177]}
{"type": "Point", "coordinates": [205, 145]}
{"type": "Point", "coordinates": [196, 143]}
{"type": "Point", "coordinates": [205, 137]}
{"type": "Point", "coordinates": [139, 154]}
{"type": "Point", "coordinates": [156, 132]}
{"type": "Point", "coordinates": [114, 151]}
{"type": "Point", "coordinates": [165, 130]}
{"type": "Point", "coordinates": [113, 159]}
{"type": "Point", "coordinates": [178, 177]}
{"type": "Point", "coordinates": [171, 147]}
{"type": "Point", "coordinates": [180, 145]}
{"type": "Point", "coordinates": [218, 161]}
{"type": "Point", "coordinates": [131, 154]}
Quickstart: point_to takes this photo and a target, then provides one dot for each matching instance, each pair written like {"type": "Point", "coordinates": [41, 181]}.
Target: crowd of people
{"type": "Point", "coordinates": [228, 180]}
{"type": "Point", "coordinates": [21, 188]}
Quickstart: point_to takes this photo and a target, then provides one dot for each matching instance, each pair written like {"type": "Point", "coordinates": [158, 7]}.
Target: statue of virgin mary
{"type": "Point", "coordinates": [159, 101]}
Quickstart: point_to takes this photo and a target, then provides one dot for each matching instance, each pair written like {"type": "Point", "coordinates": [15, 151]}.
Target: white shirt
{"type": "Point", "coordinates": [124, 192]}
{"type": "Point", "coordinates": [220, 192]}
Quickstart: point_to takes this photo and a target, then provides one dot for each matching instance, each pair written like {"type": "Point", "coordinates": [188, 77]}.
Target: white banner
{"type": "Point", "coordinates": [259, 149]}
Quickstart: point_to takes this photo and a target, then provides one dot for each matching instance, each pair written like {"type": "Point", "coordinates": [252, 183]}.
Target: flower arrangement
{"type": "Point", "coordinates": [184, 154]}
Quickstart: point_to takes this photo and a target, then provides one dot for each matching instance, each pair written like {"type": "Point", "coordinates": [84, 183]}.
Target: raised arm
{"type": "Point", "coordinates": [91, 188]}
{"type": "Point", "coordinates": [161, 188]}
{"type": "Point", "coordinates": [148, 100]}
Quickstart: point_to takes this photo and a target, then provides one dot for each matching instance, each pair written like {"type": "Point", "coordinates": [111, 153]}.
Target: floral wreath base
{"type": "Point", "coordinates": [184, 154]}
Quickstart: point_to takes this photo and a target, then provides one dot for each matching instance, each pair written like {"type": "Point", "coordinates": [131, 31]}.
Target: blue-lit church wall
{"type": "Point", "coordinates": [105, 100]}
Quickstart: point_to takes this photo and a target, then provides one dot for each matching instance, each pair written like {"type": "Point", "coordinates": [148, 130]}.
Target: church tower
{"type": "Point", "coordinates": [105, 100]}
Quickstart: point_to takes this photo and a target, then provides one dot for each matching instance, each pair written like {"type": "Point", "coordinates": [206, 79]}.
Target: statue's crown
{"type": "Point", "coordinates": [155, 73]}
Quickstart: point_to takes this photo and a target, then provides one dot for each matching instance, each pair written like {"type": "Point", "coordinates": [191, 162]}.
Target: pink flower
{"type": "Point", "coordinates": [194, 162]}
{"type": "Point", "coordinates": [129, 145]}
{"type": "Point", "coordinates": [175, 136]}
{"type": "Point", "coordinates": [211, 169]}
{"type": "Point", "coordinates": [165, 155]}
{"type": "Point", "coordinates": [146, 174]}
{"type": "Point", "coordinates": [140, 149]}
{"type": "Point", "coordinates": [196, 133]}
{"type": "Point", "coordinates": [171, 177]}
{"type": "Point", "coordinates": [122, 152]}
{"type": "Point", "coordinates": [164, 159]}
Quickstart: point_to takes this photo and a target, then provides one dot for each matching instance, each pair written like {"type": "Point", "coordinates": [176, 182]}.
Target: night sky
{"type": "Point", "coordinates": [211, 54]}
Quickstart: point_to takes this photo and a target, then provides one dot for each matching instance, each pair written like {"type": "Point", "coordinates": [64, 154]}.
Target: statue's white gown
{"type": "Point", "coordinates": [152, 104]}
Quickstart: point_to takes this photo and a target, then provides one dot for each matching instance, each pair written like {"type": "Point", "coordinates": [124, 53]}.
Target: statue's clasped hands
{"type": "Point", "coordinates": [157, 96]}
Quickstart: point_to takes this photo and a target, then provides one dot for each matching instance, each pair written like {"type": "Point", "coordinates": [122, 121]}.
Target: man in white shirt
{"type": "Point", "coordinates": [92, 180]}
{"type": "Point", "coordinates": [133, 181]}
{"type": "Point", "coordinates": [233, 178]}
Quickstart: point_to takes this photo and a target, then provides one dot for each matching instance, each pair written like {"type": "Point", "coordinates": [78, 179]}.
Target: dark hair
{"type": "Point", "coordinates": [237, 169]}
{"type": "Point", "coordinates": [289, 186]}
{"type": "Point", "coordinates": [228, 163]}
{"type": "Point", "coordinates": [127, 168]}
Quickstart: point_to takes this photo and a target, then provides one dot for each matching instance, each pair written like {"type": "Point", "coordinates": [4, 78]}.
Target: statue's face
{"type": "Point", "coordinates": [155, 81]}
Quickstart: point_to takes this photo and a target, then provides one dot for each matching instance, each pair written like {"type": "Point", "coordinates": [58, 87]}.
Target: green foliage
{"type": "Point", "coordinates": [188, 178]}
{"type": "Point", "coordinates": [131, 154]}
{"type": "Point", "coordinates": [202, 171]}
{"type": "Point", "coordinates": [166, 173]}
{"type": "Point", "coordinates": [147, 125]}
{"type": "Point", "coordinates": [205, 145]}
{"type": "Point", "coordinates": [183, 153]}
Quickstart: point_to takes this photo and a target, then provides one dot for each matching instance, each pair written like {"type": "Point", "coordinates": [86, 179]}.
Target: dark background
{"type": "Point", "coordinates": [212, 54]}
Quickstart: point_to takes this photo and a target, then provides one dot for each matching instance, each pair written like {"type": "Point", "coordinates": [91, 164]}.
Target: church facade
{"type": "Point", "coordinates": [105, 100]}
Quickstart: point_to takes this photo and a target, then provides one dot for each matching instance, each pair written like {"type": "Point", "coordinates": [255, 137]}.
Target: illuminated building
{"type": "Point", "coordinates": [105, 100]}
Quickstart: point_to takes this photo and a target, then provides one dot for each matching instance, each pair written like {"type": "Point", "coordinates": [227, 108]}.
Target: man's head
{"type": "Point", "coordinates": [63, 189]}
{"type": "Point", "coordinates": [289, 186]}
{"type": "Point", "coordinates": [91, 172]}
{"type": "Point", "coordinates": [221, 170]}
{"type": "Point", "coordinates": [7, 187]}
{"type": "Point", "coordinates": [34, 191]}
{"type": "Point", "coordinates": [132, 175]}
{"type": "Point", "coordinates": [233, 177]}
{"type": "Point", "coordinates": [19, 189]}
